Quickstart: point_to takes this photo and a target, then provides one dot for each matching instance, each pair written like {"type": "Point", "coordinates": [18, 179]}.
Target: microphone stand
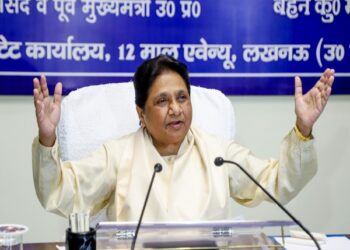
{"type": "Point", "coordinates": [220, 161]}
{"type": "Point", "coordinates": [157, 168]}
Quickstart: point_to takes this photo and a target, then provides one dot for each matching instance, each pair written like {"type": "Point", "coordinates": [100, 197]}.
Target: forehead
{"type": "Point", "coordinates": [167, 81]}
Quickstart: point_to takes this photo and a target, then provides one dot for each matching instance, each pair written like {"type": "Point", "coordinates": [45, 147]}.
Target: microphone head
{"type": "Point", "coordinates": [158, 167]}
{"type": "Point", "coordinates": [219, 161]}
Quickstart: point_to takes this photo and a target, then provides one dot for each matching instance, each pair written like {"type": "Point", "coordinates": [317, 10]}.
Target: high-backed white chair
{"type": "Point", "coordinates": [92, 115]}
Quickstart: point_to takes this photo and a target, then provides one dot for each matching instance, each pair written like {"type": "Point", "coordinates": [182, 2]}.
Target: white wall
{"type": "Point", "coordinates": [322, 206]}
{"type": "Point", "coordinates": [18, 203]}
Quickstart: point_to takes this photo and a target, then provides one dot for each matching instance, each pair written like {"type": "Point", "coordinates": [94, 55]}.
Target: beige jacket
{"type": "Point", "coordinates": [190, 187]}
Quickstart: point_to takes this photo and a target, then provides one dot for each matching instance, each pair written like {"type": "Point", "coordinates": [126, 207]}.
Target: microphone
{"type": "Point", "coordinates": [157, 168]}
{"type": "Point", "coordinates": [219, 161]}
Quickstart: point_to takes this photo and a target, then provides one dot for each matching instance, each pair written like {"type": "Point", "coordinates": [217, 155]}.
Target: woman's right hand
{"type": "Point", "coordinates": [47, 111]}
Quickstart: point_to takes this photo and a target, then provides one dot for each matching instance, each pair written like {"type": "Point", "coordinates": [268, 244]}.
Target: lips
{"type": "Point", "coordinates": [175, 124]}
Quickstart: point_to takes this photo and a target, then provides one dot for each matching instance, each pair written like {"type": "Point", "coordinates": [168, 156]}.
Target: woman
{"type": "Point", "coordinates": [190, 187]}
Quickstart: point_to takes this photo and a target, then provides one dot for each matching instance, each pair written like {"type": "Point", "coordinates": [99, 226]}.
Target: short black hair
{"type": "Point", "coordinates": [150, 69]}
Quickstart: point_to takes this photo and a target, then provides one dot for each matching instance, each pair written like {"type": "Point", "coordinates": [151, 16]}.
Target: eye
{"type": "Point", "coordinates": [182, 97]}
{"type": "Point", "coordinates": [161, 101]}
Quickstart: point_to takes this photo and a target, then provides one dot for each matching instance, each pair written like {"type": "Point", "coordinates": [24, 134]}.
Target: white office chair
{"type": "Point", "coordinates": [92, 115]}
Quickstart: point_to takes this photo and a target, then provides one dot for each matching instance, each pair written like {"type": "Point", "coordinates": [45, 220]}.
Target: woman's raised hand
{"type": "Point", "coordinates": [309, 107]}
{"type": "Point", "coordinates": [47, 110]}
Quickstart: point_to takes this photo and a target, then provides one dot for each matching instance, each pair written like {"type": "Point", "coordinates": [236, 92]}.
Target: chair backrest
{"type": "Point", "coordinates": [92, 115]}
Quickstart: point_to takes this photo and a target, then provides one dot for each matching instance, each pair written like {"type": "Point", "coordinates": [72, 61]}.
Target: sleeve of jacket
{"type": "Point", "coordinates": [283, 178]}
{"type": "Point", "coordinates": [66, 187]}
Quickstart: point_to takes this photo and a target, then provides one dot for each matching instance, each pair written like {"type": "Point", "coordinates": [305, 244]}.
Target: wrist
{"type": "Point", "coordinates": [304, 130]}
{"type": "Point", "coordinates": [47, 141]}
{"type": "Point", "coordinates": [301, 136]}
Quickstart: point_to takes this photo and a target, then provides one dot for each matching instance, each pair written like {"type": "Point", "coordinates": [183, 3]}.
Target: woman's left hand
{"type": "Point", "coordinates": [309, 107]}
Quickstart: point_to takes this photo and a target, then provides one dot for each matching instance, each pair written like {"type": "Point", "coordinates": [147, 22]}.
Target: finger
{"type": "Point", "coordinates": [329, 72]}
{"type": "Point", "coordinates": [323, 89]}
{"type": "Point", "coordinates": [324, 98]}
{"type": "Point", "coordinates": [36, 83]}
{"type": "Point", "coordinates": [316, 98]}
{"type": "Point", "coordinates": [326, 94]}
{"type": "Point", "coordinates": [298, 91]}
{"type": "Point", "coordinates": [58, 93]}
{"type": "Point", "coordinates": [330, 81]}
{"type": "Point", "coordinates": [329, 91]}
{"type": "Point", "coordinates": [43, 85]}
{"type": "Point", "coordinates": [320, 103]}
{"type": "Point", "coordinates": [37, 95]}
{"type": "Point", "coordinates": [39, 109]}
{"type": "Point", "coordinates": [325, 80]}
{"type": "Point", "coordinates": [327, 83]}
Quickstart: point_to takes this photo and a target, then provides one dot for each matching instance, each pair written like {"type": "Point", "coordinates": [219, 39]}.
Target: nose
{"type": "Point", "coordinates": [175, 108]}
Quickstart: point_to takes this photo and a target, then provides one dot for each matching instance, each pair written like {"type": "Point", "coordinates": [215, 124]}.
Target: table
{"type": "Point", "coordinates": [42, 246]}
{"type": "Point", "coordinates": [52, 245]}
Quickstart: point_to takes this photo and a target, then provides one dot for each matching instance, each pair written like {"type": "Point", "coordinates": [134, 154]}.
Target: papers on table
{"type": "Point", "coordinates": [331, 243]}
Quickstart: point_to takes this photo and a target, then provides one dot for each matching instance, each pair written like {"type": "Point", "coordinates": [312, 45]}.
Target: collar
{"type": "Point", "coordinates": [185, 145]}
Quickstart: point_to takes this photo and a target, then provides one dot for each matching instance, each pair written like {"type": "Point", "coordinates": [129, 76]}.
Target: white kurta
{"type": "Point", "coordinates": [190, 186]}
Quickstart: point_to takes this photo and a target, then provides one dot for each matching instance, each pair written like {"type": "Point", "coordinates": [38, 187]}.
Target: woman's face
{"type": "Point", "coordinates": [167, 114]}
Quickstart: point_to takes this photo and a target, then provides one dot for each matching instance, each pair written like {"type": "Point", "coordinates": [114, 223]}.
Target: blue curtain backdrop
{"type": "Point", "coordinates": [251, 47]}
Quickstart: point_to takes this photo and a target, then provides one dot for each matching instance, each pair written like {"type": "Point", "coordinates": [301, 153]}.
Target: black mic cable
{"type": "Point", "coordinates": [157, 168]}
{"type": "Point", "coordinates": [220, 161]}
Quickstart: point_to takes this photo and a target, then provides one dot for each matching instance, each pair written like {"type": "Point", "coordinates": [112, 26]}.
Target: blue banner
{"type": "Point", "coordinates": [252, 47]}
